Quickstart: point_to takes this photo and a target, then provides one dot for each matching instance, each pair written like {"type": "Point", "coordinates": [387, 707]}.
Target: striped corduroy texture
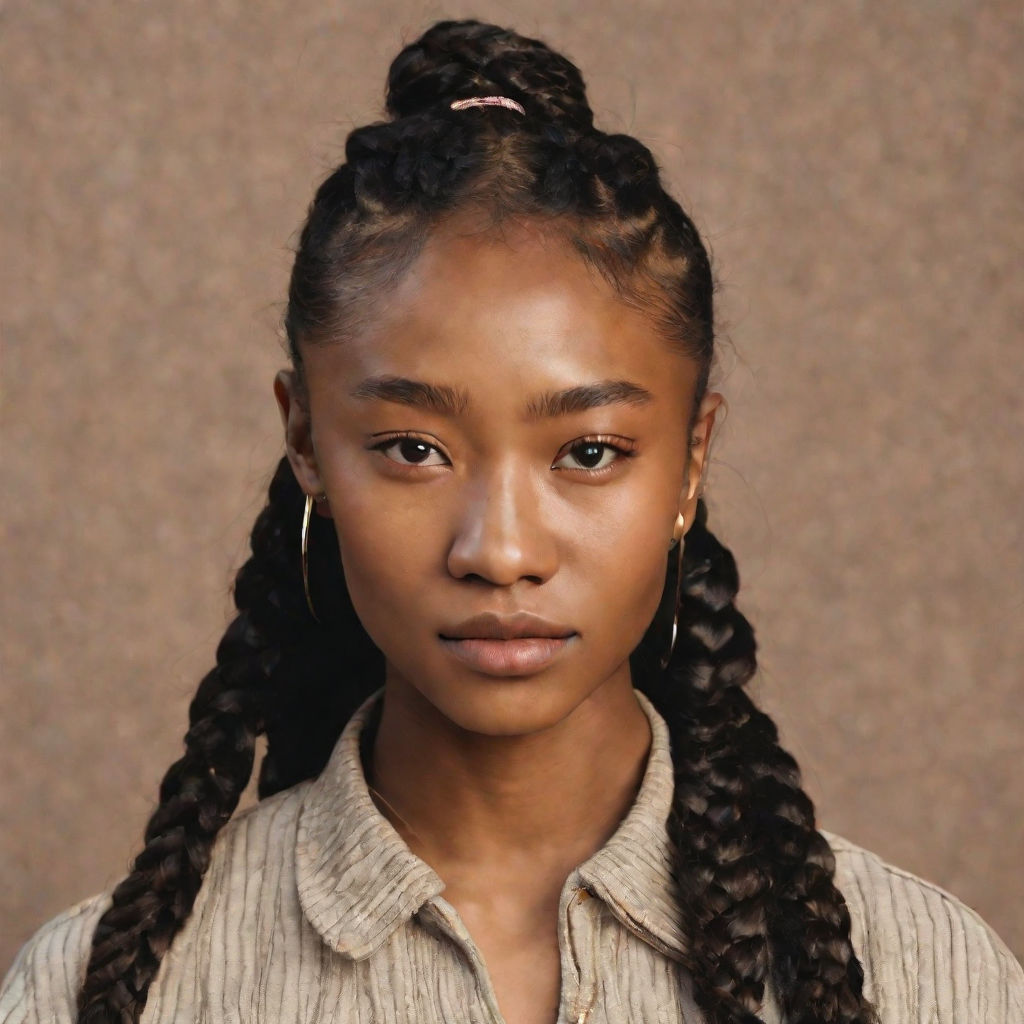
{"type": "Point", "coordinates": [315, 910]}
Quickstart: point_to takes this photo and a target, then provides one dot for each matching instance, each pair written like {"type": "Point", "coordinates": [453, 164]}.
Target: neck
{"type": "Point", "coordinates": [544, 800]}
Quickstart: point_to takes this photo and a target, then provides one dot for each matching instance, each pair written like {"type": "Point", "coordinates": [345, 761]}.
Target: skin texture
{"type": "Point", "coordinates": [497, 777]}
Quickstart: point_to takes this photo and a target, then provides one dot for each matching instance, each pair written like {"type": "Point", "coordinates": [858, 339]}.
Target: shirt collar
{"type": "Point", "coordinates": [358, 880]}
{"type": "Point", "coordinates": [633, 871]}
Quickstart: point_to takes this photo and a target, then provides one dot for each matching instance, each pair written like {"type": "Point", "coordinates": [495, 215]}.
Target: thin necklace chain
{"type": "Point", "coordinates": [380, 796]}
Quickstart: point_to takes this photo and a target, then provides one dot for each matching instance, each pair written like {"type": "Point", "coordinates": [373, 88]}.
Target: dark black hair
{"type": "Point", "coordinates": [755, 877]}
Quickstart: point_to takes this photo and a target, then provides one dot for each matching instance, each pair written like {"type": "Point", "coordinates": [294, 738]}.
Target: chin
{"type": "Point", "coordinates": [518, 706]}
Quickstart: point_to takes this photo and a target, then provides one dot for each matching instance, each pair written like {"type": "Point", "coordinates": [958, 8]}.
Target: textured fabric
{"type": "Point", "coordinates": [315, 910]}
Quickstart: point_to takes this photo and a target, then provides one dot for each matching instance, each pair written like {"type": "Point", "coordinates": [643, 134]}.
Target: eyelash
{"type": "Point", "coordinates": [623, 447]}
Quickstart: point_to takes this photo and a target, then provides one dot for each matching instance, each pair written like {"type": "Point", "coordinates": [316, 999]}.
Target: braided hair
{"type": "Point", "coordinates": [755, 877]}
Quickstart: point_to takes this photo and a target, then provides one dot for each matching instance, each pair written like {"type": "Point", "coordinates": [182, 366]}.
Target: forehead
{"type": "Point", "coordinates": [512, 303]}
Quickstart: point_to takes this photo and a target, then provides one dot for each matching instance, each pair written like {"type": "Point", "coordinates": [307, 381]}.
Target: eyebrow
{"type": "Point", "coordinates": [434, 397]}
{"type": "Point", "coordinates": [447, 401]}
{"type": "Point", "coordinates": [587, 396]}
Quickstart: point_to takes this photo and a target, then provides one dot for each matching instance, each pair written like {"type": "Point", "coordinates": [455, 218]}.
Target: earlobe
{"type": "Point", "coordinates": [298, 436]}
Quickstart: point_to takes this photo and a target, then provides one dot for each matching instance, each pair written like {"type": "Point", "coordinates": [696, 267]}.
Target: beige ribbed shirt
{"type": "Point", "coordinates": [315, 910]}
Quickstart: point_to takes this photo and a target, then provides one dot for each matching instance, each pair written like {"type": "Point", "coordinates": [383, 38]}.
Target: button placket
{"type": "Point", "coordinates": [580, 951]}
{"type": "Point", "coordinates": [447, 920]}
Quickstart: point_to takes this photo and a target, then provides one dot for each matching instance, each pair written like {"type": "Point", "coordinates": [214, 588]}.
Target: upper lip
{"type": "Point", "coordinates": [505, 627]}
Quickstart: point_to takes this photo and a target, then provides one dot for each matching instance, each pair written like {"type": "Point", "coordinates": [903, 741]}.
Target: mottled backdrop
{"type": "Point", "coordinates": [855, 168]}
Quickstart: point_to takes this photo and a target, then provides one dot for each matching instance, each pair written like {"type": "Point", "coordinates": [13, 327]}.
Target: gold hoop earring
{"type": "Point", "coordinates": [306, 514]}
{"type": "Point", "coordinates": [678, 543]}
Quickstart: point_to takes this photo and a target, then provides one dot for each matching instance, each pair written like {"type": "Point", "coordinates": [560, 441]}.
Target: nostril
{"type": "Point", "coordinates": [475, 577]}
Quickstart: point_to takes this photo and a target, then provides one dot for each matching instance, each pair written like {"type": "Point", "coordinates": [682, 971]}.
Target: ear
{"type": "Point", "coordinates": [697, 461]}
{"type": "Point", "coordinates": [298, 434]}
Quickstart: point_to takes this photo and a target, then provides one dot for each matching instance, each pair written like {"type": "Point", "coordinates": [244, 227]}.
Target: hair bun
{"type": "Point", "coordinates": [456, 60]}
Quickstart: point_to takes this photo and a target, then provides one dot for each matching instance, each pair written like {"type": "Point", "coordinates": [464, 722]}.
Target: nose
{"type": "Point", "coordinates": [501, 537]}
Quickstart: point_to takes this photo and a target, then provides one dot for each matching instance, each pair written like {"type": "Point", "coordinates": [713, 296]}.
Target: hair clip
{"type": "Point", "coordinates": [489, 101]}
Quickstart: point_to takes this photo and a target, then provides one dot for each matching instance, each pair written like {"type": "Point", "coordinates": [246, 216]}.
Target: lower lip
{"type": "Point", "coordinates": [517, 657]}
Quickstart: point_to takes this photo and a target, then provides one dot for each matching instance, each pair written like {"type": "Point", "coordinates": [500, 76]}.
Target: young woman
{"type": "Point", "coordinates": [512, 772]}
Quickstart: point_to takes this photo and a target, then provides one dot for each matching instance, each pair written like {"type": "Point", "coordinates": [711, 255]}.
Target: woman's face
{"type": "Point", "coordinates": [508, 437]}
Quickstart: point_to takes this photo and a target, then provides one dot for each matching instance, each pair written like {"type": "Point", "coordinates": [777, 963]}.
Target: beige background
{"type": "Point", "coordinates": [852, 163]}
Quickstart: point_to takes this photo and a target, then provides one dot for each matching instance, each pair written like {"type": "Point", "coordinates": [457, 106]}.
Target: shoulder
{"type": "Point", "coordinates": [256, 845]}
{"type": "Point", "coordinates": [926, 956]}
{"type": "Point", "coordinates": [259, 840]}
{"type": "Point", "coordinates": [43, 982]}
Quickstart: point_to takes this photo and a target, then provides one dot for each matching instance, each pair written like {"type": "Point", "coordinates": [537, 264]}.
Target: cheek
{"type": "Point", "coordinates": [392, 558]}
{"type": "Point", "coordinates": [380, 570]}
{"type": "Point", "coordinates": [620, 562]}
{"type": "Point", "coordinates": [638, 579]}
{"type": "Point", "coordinates": [380, 540]}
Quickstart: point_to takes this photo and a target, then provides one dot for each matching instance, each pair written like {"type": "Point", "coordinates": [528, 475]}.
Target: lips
{"type": "Point", "coordinates": [510, 645]}
{"type": "Point", "coordinates": [490, 626]}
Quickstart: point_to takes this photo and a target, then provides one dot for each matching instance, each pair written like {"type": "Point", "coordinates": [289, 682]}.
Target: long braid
{"type": "Point", "coordinates": [320, 672]}
{"type": "Point", "coordinates": [753, 871]}
{"type": "Point", "coordinates": [755, 876]}
{"type": "Point", "coordinates": [233, 705]}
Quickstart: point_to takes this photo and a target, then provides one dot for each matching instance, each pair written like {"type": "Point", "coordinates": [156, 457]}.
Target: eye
{"type": "Point", "coordinates": [408, 450]}
{"type": "Point", "coordinates": [593, 454]}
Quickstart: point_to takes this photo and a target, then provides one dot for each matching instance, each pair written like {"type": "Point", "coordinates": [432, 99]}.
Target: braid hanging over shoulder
{"type": "Point", "coordinates": [755, 877]}
{"type": "Point", "coordinates": [743, 827]}
{"type": "Point", "coordinates": [275, 674]}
